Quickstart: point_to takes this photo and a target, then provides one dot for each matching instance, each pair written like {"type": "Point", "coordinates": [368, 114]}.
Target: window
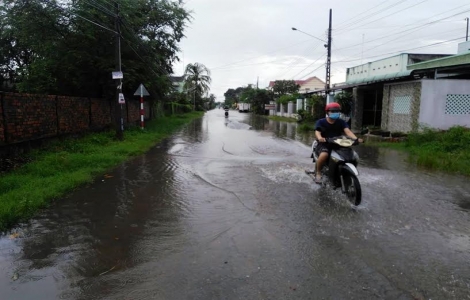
{"type": "Point", "coordinates": [457, 104]}
{"type": "Point", "coordinates": [402, 105]}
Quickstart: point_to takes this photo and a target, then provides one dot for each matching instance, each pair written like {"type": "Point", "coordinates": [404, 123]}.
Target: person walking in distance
{"type": "Point", "coordinates": [328, 127]}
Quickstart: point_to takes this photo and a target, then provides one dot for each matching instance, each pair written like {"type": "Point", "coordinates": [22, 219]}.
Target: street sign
{"type": "Point", "coordinates": [121, 98]}
{"type": "Point", "coordinates": [141, 91]}
{"type": "Point", "coordinates": [117, 75]}
{"type": "Point", "coordinates": [269, 106]}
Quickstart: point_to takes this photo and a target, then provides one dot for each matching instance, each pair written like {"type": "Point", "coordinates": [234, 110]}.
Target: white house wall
{"type": "Point", "coordinates": [313, 84]}
{"type": "Point", "coordinates": [377, 69]}
{"type": "Point", "coordinates": [445, 103]}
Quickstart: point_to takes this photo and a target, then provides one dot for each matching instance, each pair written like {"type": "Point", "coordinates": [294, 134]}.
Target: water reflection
{"type": "Point", "coordinates": [195, 200]}
{"type": "Point", "coordinates": [281, 129]}
{"type": "Point", "coordinates": [371, 156]}
{"type": "Point", "coordinates": [100, 228]}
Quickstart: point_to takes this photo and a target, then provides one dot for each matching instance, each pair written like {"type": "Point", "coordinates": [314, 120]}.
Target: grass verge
{"type": "Point", "coordinates": [447, 151]}
{"type": "Point", "coordinates": [65, 165]}
{"type": "Point", "coordinates": [282, 119]}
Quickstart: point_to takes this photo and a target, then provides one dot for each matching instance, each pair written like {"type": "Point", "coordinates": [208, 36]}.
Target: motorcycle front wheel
{"type": "Point", "coordinates": [352, 188]}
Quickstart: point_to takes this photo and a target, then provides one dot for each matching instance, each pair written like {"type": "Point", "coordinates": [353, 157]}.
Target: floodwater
{"type": "Point", "coordinates": [224, 210]}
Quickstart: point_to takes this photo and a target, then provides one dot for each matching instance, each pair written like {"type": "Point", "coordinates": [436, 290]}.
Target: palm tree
{"type": "Point", "coordinates": [197, 80]}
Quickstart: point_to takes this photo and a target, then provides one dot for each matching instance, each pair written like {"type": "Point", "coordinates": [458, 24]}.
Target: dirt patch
{"type": "Point", "coordinates": [9, 164]}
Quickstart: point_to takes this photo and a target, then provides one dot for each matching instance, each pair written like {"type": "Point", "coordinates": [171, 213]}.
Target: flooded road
{"type": "Point", "coordinates": [224, 210]}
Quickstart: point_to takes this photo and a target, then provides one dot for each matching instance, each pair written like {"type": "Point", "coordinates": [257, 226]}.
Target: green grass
{"type": "Point", "coordinates": [65, 165]}
{"type": "Point", "coordinates": [282, 119]}
{"type": "Point", "coordinates": [447, 151]}
{"type": "Point", "coordinates": [306, 127]}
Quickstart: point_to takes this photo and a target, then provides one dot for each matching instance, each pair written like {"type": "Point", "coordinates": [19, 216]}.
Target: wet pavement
{"type": "Point", "coordinates": [224, 210]}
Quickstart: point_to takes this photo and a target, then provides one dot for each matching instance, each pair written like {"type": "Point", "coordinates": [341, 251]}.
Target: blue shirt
{"type": "Point", "coordinates": [331, 130]}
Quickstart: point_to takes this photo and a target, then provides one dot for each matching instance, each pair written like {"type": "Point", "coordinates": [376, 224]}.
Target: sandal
{"type": "Point", "coordinates": [318, 179]}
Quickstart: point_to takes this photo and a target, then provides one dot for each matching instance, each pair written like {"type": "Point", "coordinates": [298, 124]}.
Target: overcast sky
{"type": "Point", "coordinates": [239, 40]}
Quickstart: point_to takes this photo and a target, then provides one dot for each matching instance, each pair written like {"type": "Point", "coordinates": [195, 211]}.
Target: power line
{"type": "Point", "coordinates": [310, 66]}
{"type": "Point", "coordinates": [391, 14]}
{"type": "Point", "coordinates": [404, 51]}
{"type": "Point", "coordinates": [77, 15]}
{"type": "Point", "coordinates": [388, 42]}
{"type": "Point", "coordinates": [143, 46]}
{"type": "Point", "coordinates": [362, 13]}
{"type": "Point", "coordinates": [308, 74]}
{"type": "Point", "coordinates": [412, 29]}
{"type": "Point", "coordinates": [364, 18]}
{"type": "Point", "coordinates": [243, 60]}
{"type": "Point", "coordinates": [101, 8]}
{"type": "Point", "coordinates": [291, 65]}
{"type": "Point", "coordinates": [110, 3]}
{"type": "Point", "coordinates": [143, 60]}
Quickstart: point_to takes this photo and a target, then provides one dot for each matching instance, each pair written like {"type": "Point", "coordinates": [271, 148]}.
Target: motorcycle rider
{"type": "Point", "coordinates": [328, 127]}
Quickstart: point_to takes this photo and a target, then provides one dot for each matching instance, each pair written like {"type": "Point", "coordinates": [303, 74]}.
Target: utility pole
{"type": "Point", "coordinates": [119, 120]}
{"type": "Point", "coordinates": [466, 36]}
{"type": "Point", "coordinates": [328, 59]}
{"type": "Point", "coordinates": [194, 94]}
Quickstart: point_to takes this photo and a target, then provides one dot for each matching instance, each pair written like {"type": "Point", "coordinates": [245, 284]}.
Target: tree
{"type": "Point", "coordinates": [316, 105]}
{"type": "Point", "coordinates": [197, 81]}
{"type": "Point", "coordinates": [230, 96]}
{"type": "Point", "coordinates": [56, 47]}
{"type": "Point", "coordinates": [284, 87]}
{"type": "Point", "coordinates": [247, 94]}
{"type": "Point", "coordinates": [345, 99]}
{"type": "Point", "coordinates": [260, 98]}
{"type": "Point", "coordinates": [209, 102]}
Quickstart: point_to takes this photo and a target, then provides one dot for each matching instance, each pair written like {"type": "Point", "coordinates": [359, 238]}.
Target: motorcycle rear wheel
{"type": "Point", "coordinates": [352, 188]}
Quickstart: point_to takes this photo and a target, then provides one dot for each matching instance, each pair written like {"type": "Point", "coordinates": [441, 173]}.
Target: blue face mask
{"type": "Point", "coordinates": [334, 116]}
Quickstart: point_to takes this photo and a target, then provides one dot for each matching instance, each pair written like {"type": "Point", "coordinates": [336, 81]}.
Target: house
{"type": "Point", "coordinates": [307, 85]}
{"type": "Point", "coordinates": [440, 98]}
{"type": "Point", "coordinates": [310, 84]}
{"type": "Point", "coordinates": [367, 83]}
{"type": "Point", "coordinates": [406, 91]}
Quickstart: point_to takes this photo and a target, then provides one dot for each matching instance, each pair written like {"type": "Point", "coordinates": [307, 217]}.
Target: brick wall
{"type": "Point", "coordinates": [2, 130]}
{"type": "Point", "coordinates": [73, 114]}
{"type": "Point", "coordinates": [133, 112]}
{"type": "Point", "coordinates": [100, 113]}
{"type": "Point", "coordinates": [29, 117]}
{"type": "Point", "coordinates": [26, 117]}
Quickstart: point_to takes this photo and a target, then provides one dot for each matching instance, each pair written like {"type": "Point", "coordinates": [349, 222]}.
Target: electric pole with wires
{"type": "Point", "coordinates": [119, 95]}
{"type": "Point", "coordinates": [328, 59]}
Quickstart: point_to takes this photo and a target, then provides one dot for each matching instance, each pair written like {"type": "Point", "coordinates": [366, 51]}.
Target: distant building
{"type": "Point", "coordinates": [405, 91]}
{"type": "Point", "coordinates": [310, 84]}
{"type": "Point", "coordinates": [306, 86]}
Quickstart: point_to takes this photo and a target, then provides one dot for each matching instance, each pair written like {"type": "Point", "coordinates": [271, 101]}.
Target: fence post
{"type": "Point", "coordinates": [89, 114]}
{"type": "Point", "coordinates": [57, 114]}
{"type": "Point", "coordinates": [5, 133]}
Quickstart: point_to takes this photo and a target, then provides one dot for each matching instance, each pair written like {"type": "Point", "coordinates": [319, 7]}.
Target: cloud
{"type": "Point", "coordinates": [241, 40]}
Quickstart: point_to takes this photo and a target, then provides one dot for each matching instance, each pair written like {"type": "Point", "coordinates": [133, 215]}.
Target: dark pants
{"type": "Point", "coordinates": [323, 147]}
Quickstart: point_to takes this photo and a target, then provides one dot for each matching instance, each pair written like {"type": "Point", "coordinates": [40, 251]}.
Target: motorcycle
{"type": "Point", "coordinates": [226, 111]}
{"type": "Point", "coordinates": [341, 167]}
